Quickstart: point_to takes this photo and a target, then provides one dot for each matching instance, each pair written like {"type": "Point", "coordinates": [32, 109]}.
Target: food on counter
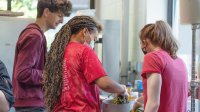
{"type": "Point", "coordinates": [139, 109]}
{"type": "Point", "coordinates": [120, 99]}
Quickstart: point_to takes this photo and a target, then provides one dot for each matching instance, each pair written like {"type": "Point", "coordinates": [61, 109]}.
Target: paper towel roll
{"type": "Point", "coordinates": [189, 11]}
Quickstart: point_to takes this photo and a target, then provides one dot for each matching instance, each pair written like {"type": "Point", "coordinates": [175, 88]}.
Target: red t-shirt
{"type": "Point", "coordinates": [81, 67]}
{"type": "Point", "coordinates": [174, 89]}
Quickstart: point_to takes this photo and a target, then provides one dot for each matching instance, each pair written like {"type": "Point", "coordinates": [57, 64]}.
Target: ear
{"type": "Point", "coordinates": [147, 41]}
{"type": "Point", "coordinates": [46, 12]}
{"type": "Point", "coordinates": [85, 32]}
{"type": "Point", "coordinates": [144, 42]}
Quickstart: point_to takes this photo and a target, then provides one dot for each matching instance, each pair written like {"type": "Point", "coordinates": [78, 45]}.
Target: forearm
{"type": "Point", "coordinates": [114, 88]}
{"type": "Point", "coordinates": [109, 85]}
{"type": "Point", "coordinates": [154, 82]}
{"type": "Point", "coordinates": [29, 76]}
{"type": "Point", "coordinates": [151, 106]}
{"type": "Point", "coordinates": [4, 106]}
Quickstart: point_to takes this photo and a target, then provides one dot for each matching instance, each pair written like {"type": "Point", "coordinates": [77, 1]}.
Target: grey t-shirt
{"type": "Point", "coordinates": [5, 84]}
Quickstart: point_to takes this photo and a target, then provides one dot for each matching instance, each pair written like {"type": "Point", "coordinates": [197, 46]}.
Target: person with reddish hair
{"type": "Point", "coordinates": [164, 74]}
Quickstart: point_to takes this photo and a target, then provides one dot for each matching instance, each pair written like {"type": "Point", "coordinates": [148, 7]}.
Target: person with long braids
{"type": "Point", "coordinates": [73, 73]}
{"type": "Point", "coordinates": [164, 74]}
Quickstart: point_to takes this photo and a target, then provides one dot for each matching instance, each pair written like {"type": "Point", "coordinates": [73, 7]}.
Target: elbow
{"type": "Point", "coordinates": [4, 103]}
{"type": "Point", "coordinates": [4, 109]}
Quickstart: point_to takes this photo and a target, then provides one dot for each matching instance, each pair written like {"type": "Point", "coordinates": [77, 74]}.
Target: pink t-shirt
{"type": "Point", "coordinates": [174, 89]}
{"type": "Point", "coordinates": [81, 68]}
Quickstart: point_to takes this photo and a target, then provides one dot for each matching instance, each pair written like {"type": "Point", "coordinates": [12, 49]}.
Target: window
{"type": "Point", "coordinates": [3, 5]}
{"type": "Point", "coordinates": [26, 6]}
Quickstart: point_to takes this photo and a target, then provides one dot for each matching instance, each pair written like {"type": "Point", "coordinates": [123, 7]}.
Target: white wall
{"type": "Point", "coordinates": [140, 12]}
{"type": "Point", "coordinates": [143, 12]}
{"type": "Point", "coordinates": [156, 10]}
{"type": "Point", "coordinates": [109, 9]}
{"type": "Point", "coordinates": [185, 46]}
{"type": "Point", "coordinates": [138, 15]}
{"type": "Point", "coordinates": [10, 30]}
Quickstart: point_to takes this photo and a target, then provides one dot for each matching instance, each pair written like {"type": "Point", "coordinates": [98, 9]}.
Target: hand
{"type": "Point", "coordinates": [125, 93]}
{"type": "Point", "coordinates": [137, 104]}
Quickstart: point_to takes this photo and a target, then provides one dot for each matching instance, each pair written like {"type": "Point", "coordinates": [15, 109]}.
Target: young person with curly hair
{"type": "Point", "coordinates": [30, 55]}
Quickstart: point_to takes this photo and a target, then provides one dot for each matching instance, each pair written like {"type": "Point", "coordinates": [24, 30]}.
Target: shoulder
{"type": "Point", "coordinates": [157, 55]}
{"type": "Point", "coordinates": [76, 49]}
{"type": "Point", "coordinates": [30, 35]}
{"type": "Point", "coordinates": [34, 27]}
{"type": "Point", "coordinates": [151, 55]}
{"type": "Point", "coordinates": [88, 50]}
{"type": "Point", "coordinates": [32, 30]}
{"type": "Point", "coordinates": [157, 58]}
{"type": "Point", "coordinates": [81, 48]}
{"type": "Point", "coordinates": [180, 61]}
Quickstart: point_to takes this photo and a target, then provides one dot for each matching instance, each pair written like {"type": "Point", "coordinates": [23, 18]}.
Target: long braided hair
{"type": "Point", "coordinates": [52, 82]}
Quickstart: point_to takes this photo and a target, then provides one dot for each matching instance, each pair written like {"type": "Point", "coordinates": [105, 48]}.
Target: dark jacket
{"type": "Point", "coordinates": [28, 67]}
{"type": "Point", "coordinates": [5, 84]}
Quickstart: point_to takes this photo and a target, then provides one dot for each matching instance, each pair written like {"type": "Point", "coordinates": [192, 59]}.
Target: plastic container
{"type": "Point", "coordinates": [139, 86]}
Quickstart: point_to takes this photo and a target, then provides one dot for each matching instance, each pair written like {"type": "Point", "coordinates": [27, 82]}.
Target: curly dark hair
{"type": "Point", "coordinates": [54, 6]}
{"type": "Point", "coordinates": [54, 62]}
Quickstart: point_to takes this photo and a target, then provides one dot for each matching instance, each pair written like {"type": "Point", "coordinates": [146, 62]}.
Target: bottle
{"type": "Point", "coordinates": [139, 85]}
{"type": "Point", "coordinates": [129, 90]}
